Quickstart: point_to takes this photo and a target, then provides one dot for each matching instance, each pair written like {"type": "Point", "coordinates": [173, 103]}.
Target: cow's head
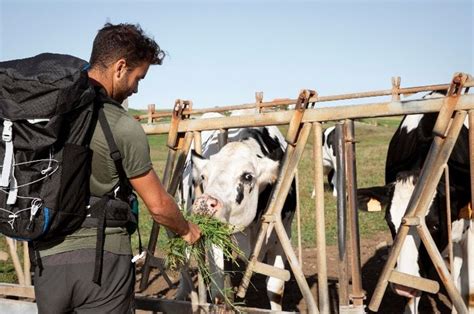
{"type": "Point", "coordinates": [232, 180]}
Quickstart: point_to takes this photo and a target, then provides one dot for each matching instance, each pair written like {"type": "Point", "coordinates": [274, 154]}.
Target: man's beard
{"type": "Point", "coordinates": [120, 91]}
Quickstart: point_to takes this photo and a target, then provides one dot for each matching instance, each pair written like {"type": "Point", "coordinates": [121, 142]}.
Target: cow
{"type": "Point", "coordinates": [329, 159]}
{"type": "Point", "coordinates": [236, 183]}
{"type": "Point", "coordinates": [406, 155]}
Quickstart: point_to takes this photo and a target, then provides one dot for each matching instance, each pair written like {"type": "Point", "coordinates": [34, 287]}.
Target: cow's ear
{"type": "Point", "coordinates": [267, 170]}
{"type": "Point", "coordinates": [198, 163]}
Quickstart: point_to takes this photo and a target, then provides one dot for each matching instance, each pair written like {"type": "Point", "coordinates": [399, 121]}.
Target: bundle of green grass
{"type": "Point", "coordinates": [213, 233]}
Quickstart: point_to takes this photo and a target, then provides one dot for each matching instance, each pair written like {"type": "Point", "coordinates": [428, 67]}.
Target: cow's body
{"type": "Point", "coordinates": [237, 182]}
{"type": "Point", "coordinates": [406, 155]}
{"type": "Point", "coordinates": [329, 159]}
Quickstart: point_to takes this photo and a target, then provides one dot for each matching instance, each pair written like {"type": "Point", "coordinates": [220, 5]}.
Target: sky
{"type": "Point", "coordinates": [222, 52]}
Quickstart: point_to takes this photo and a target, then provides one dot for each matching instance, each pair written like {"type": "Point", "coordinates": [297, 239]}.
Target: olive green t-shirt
{"type": "Point", "coordinates": [132, 143]}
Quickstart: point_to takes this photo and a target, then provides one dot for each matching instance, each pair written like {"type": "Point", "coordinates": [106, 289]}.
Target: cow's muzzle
{"type": "Point", "coordinates": [206, 205]}
{"type": "Point", "coordinates": [405, 291]}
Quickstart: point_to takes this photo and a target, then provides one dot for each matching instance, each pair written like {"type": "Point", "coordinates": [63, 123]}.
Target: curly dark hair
{"type": "Point", "coordinates": [127, 41]}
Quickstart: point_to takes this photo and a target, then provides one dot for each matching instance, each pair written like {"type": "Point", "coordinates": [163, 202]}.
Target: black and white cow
{"type": "Point", "coordinates": [406, 155]}
{"type": "Point", "coordinates": [237, 181]}
{"type": "Point", "coordinates": [329, 159]}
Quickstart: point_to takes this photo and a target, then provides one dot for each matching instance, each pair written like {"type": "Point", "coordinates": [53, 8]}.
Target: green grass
{"type": "Point", "coordinates": [7, 271]}
{"type": "Point", "coordinates": [136, 112]}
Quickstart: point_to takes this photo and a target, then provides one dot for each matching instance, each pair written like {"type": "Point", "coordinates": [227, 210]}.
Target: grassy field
{"type": "Point", "coordinates": [372, 139]}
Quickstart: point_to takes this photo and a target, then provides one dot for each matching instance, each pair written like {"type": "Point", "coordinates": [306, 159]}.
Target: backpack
{"type": "Point", "coordinates": [46, 119]}
{"type": "Point", "coordinates": [48, 113]}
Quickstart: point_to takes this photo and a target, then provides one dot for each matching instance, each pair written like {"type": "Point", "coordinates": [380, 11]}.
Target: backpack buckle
{"type": "Point", "coordinates": [115, 155]}
{"type": "Point", "coordinates": [7, 131]}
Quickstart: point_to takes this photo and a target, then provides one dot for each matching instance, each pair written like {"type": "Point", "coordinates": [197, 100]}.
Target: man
{"type": "Point", "coordinates": [121, 56]}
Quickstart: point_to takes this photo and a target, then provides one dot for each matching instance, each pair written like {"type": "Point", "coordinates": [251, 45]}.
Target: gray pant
{"type": "Point", "coordinates": [65, 284]}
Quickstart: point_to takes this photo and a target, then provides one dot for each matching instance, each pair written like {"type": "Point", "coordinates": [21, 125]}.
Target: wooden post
{"type": "Point", "coordinates": [151, 111]}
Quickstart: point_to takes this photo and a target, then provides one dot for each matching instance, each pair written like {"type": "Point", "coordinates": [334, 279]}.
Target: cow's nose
{"type": "Point", "coordinates": [207, 205]}
{"type": "Point", "coordinates": [406, 292]}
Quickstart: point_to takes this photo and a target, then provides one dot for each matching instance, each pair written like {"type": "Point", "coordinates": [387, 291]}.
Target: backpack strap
{"type": "Point", "coordinates": [123, 193]}
{"type": "Point", "coordinates": [99, 207]}
{"type": "Point", "coordinates": [125, 187]}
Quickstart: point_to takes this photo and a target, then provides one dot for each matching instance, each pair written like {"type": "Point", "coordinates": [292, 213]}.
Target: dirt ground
{"type": "Point", "coordinates": [374, 252]}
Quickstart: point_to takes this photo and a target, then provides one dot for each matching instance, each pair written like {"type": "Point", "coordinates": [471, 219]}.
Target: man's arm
{"type": "Point", "coordinates": [163, 207]}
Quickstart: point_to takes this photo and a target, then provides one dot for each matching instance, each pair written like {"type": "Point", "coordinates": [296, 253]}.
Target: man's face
{"type": "Point", "coordinates": [126, 82]}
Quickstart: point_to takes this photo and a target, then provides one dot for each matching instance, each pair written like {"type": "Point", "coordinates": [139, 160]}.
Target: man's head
{"type": "Point", "coordinates": [120, 58]}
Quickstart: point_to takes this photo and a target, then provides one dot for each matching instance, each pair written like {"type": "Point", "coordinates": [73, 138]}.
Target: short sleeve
{"type": "Point", "coordinates": [133, 143]}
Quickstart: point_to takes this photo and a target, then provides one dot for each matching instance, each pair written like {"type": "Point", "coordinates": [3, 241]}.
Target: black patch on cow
{"type": "Point", "coordinates": [443, 92]}
{"type": "Point", "coordinates": [240, 193]}
{"type": "Point", "coordinates": [330, 176]}
{"type": "Point", "coordinates": [245, 179]}
{"type": "Point", "coordinates": [289, 207]}
{"type": "Point", "coordinates": [270, 147]}
{"type": "Point", "coordinates": [331, 139]}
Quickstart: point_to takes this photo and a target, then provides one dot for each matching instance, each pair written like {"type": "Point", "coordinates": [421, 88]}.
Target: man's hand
{"type": "Point", "coordinates": [193, 234]}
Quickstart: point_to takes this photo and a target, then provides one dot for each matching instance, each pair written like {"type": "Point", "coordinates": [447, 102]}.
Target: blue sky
{"type": "Point", "coordinates": [222, 52]}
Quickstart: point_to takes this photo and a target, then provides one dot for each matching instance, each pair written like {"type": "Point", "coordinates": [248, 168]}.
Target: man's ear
{"type": "Point", "coordinates": [120, 67]}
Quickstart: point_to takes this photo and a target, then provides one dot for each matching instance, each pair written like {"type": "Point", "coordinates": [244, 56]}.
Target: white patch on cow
{"type": "Point", "coordinates": [411, 122]}
{"type": "Point", "coordinates": [407, 261]}
{"type": "Point", "coordinates": [466, 122]}
{"type": "Point", "coordinates": [469, 264]}
{"type": "Point", "coordinates": [329, 159]}
{"type": "Point", "coordinates": [216, 266]}
{"type": "Point", "coordinates": [275, 286]}
{"type": "Point", "coordinates": [462, 232]}
{"type": "Point", "coordinates": [408, 258]}
{"type": "Point", "coordinates": [222, 173]}
{"type": "Point", "coordinates": [412, 306]}
{"type": "Point", "coordinates": [210, 146]}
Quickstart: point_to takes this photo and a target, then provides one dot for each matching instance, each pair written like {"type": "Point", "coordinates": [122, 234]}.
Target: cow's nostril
{"type": "Point", "coordinates": [206, 205]}
{"type": "Point", "coordinates": [212, 202]}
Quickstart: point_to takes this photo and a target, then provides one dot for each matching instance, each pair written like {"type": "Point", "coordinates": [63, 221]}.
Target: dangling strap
{"type": "Point", "coordinates": [141, 252]}
{"type": "Point", "coordinates": [8, 158]}
{"type": "Point", "coordinates": [99, 207]}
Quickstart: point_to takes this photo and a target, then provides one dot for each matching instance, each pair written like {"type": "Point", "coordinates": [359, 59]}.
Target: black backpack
{"type": "Point", "coordinates": [48, 113]}
{"type": "Point", "coordinates": [46, 118]}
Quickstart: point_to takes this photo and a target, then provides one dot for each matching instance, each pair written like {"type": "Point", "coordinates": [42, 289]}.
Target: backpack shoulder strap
{"type": "Point", "coordinates": [115, 155]}
{"type": "Point", "coordinates": [125, 189]}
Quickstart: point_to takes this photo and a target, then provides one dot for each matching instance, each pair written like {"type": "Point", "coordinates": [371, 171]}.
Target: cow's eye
{"type": "Point", "coordinates": [203, 177]}
{"type": "Point", "coordinates": [247, 177]}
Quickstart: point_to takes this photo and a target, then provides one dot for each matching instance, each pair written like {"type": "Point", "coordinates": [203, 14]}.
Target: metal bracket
{"type": "Point", "coordinates": [178, 114]}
